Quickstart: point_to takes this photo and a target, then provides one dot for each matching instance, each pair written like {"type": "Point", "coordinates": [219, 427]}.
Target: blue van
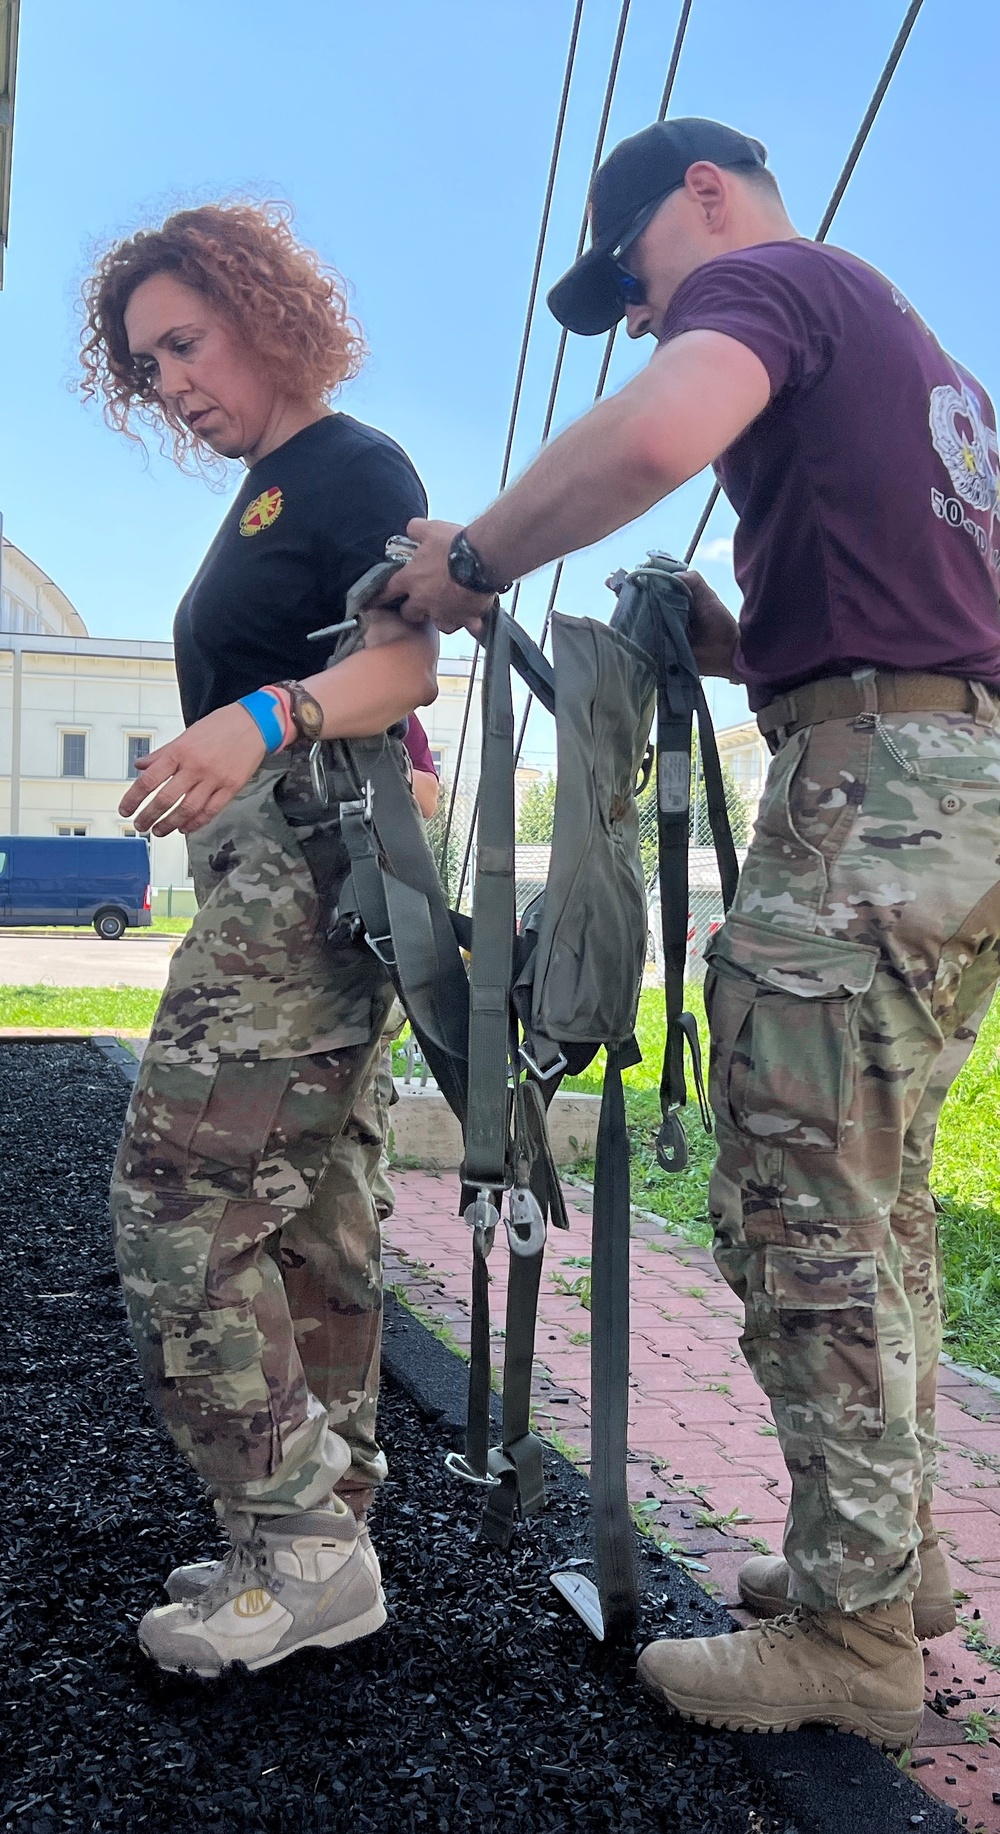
{"type": "Point", "coordinates": [71, 879]}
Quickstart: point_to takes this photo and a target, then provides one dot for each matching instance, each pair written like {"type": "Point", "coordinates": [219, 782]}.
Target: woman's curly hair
{"type": "Point", "coordinates": [279, 297]}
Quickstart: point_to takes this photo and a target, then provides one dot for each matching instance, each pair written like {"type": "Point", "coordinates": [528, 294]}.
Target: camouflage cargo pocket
{"type": "Point", "coordinates": [783, 1008]}
{"type": "Point", "coordinates": [812, 1340]}
{"type": "Point", "coordinates": [212, 1360]}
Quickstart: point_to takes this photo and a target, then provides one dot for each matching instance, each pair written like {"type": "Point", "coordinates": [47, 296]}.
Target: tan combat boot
{"type": "Point", "coordinates": [764, 1585]}
{"type": "Point", "coordinates": [861, 1672]}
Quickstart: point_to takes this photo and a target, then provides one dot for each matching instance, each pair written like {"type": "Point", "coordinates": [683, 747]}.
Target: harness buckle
{"type": "Point", "coordinates": [360, 805]}
{"type": "Point", "coordinates": [458, 1465]}
{"type": "Point", "coordinates": [317, 773]}
{"type": "Point", "coordinates": [382, 947]}
{"type": "Point", "coordinates": [525, 1224]}
{"type": "Point", "coordinates": [543, 1076]}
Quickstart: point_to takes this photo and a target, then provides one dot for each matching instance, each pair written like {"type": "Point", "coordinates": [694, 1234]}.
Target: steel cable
{"type": "Point", "coordinates": [602, 128]}
{"type": "Point", "coordinates": [668, 87]}
{"type": "Point", "coordinates": [868, 122]}
{"type": "Point", "coordinates": [543, 229]}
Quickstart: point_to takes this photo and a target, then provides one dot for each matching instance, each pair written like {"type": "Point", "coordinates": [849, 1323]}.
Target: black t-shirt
{"type": "Point", "coordinates": [310, 518]}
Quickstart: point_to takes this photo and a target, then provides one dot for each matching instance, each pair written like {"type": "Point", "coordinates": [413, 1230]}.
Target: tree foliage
{"type": "Point", "coordinates": [537, 813]}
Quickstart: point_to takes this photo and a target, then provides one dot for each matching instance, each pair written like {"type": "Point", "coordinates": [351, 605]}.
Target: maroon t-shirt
{"type": "Point", "coordinates": [866, 491]}
{"type": "Point", "coordinates": [418, 748]}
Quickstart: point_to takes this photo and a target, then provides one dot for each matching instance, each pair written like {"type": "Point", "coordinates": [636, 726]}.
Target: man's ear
{"type": "Point", "coordinates": [705, 185]}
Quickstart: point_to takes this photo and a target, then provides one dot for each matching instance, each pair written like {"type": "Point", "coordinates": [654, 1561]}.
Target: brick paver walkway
{"type": "Point", "coordinates": [704, 1466]}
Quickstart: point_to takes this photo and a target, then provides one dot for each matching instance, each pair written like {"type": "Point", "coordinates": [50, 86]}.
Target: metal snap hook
{"type": "Point", "coordinates": [525, 1224]}
{"type": "Point", "coordinates": [482, 1217]}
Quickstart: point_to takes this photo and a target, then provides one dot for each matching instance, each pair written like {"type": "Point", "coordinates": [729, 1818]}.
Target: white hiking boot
{"type": "Point", "coordinates": [186, 1583]}
{"type": "Point", "coordinates": [293, 1582]}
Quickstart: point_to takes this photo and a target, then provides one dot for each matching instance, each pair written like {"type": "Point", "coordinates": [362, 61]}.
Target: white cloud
{"type": "Point", "coordinates": [720, 549]}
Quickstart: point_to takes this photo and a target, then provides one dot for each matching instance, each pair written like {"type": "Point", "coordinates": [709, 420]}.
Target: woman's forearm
{"type": "Point", "coordinates": [376, 687]}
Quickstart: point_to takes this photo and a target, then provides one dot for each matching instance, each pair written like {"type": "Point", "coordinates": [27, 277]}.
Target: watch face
{"type": "Point", "coordinates": [310, 718]}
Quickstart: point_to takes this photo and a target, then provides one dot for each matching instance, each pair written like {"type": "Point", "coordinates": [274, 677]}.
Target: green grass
{"type": "Point", "coordinates": [965, 1180]}
{"type": "Point", "coordinates": [98, 1009]}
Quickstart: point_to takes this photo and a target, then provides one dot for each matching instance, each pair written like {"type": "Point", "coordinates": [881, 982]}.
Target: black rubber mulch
{"type": "Point", "coordinates": [482, 1705]}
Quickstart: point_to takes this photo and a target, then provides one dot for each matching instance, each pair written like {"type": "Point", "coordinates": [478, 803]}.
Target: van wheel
{"type": "Point", "coordinates": [110, 925]}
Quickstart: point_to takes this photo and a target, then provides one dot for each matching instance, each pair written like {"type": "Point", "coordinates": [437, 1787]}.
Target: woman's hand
{"type": "Point", "coordinates": [196, 774]}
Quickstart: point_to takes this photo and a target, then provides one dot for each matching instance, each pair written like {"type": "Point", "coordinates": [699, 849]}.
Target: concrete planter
{"type": "Point", "coordinates": [423, 1131]}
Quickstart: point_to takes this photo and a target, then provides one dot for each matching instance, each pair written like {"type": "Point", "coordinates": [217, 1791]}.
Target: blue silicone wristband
{"type": "Point", "coordinates": [265, 711]}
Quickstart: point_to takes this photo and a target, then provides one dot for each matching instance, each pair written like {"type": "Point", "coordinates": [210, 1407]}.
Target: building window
{"type": "Point", "coordinates": [139, 745]}
{"type": "Point", "coordinates": [69, 828]}
{"type": "Point", "coordinates": [437, 758]}
{"type": "Point", "coordinates": [74, 754]}
{"type": "Point", "coordinates": [128, 834]}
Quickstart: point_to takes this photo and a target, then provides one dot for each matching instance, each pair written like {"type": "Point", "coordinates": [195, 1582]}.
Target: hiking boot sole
{"type": "Point", "coordinates": [357, 1627]}
{"type": "Point", "coordinates": [927, 1624]}
{"type": "Point", "coordinates": [890, 1731]}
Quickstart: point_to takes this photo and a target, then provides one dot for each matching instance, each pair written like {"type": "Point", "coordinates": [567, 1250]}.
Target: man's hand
{"type": "Point", "coordinates": [713, 630]}
{"type": "Point", "coordinates": [431, 595]}
{"type": "Point", "coordinates": [196, 774]}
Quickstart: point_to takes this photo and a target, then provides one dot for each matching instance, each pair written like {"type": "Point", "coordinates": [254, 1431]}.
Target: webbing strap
{"type": "Point", "coordinates": [518, 1465]}
{"type": "Point", "coordinates": [405, 913]}
{"type": "Point", "coordinates": [493, 926]}
{"type": "Point", "coordinates": [715, 802]}
{"type": "Point", "coordinates": [477, 1433]}
{"type": "Point", "coordinates": [609, 1358]}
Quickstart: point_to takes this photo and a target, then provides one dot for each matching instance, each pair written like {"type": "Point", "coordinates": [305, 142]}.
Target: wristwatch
{"type": "Point", "coordinates": [307, 714]}
{"type": "Point", "coordinates": [466, 568]}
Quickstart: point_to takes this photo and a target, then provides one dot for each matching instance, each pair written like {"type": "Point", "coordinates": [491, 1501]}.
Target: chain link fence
{"type": "Point", "coordinates": [451, 834]}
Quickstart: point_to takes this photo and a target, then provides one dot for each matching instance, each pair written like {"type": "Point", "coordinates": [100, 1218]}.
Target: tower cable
{"type": "Point", "coordinates": [668, 87]}
{"type": "Point", "coordinates": [609, 91]}
{"type": "Point", "coordinates": [543, 229]}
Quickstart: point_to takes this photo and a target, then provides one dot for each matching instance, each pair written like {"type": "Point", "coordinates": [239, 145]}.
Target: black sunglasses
{"type": "Point", "coordinates": [631, 290]}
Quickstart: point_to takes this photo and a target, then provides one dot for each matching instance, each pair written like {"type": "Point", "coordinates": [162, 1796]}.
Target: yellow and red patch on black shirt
{"type": "Point", "coordinates": [264, 510]}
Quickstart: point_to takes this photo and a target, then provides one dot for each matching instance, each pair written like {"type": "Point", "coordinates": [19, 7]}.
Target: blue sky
{"type": "Point", "coordinates": [413, 139]}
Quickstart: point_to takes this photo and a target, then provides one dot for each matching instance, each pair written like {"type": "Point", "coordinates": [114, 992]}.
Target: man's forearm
{"type": "Point", "coordinates": [694, 398]}
{"type": "Point", "coordinates": [591, 480]}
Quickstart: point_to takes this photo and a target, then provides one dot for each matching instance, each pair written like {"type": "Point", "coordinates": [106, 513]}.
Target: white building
{"type": "Point", "coordinates": [744, 750]}
{"type": "Point", "coordinates": [76, 711]}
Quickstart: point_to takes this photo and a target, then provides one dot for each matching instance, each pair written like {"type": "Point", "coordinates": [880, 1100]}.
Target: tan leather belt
{"type": "Point", "coordinates": [840, 697]}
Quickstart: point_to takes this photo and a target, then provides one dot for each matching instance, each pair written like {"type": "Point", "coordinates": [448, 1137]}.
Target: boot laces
{"type": "Point", "coordinates": [789, 1624]}
{"type": "Point", "coordinates": [240, 1569]}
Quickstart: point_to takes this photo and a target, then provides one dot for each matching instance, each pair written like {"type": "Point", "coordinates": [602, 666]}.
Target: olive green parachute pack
{"type": "Point", "coordinates": [539, 999]}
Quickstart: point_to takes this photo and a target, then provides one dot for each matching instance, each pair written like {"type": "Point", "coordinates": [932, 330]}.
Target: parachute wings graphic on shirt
{"type": "Point", "coordinates": [971, 456]}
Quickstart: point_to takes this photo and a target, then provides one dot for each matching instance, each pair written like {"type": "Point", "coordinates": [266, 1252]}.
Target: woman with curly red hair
{"type": "Point", "coordinates": [245, 1231]}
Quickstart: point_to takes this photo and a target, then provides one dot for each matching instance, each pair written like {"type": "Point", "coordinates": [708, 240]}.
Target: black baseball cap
{"type": "Point", "coordinates": [626, 192]}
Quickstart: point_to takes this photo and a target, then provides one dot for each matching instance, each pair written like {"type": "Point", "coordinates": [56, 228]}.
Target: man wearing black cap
{"type": "Point", "coordinates": [846, 985]}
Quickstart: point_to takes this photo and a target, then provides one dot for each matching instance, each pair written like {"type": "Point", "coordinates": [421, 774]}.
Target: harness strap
{"type": "Point", "coordinates": [405, 914]}
{"type": "Point", "coordinates": [518, 1464]}
{"type": "Point", "coordinates": [493, 925]}
{"type": "Point", "coordinates": [609, 1357]}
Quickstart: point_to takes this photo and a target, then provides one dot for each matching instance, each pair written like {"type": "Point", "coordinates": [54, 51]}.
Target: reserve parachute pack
{"type": "Point", "coordinates": [539, 999]}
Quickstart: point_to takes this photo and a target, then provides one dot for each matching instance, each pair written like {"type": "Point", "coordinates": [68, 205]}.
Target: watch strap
{"type": "Point", "coordinates": [304, 709]}
{"type": "Point", "coordinates": [468, 569]}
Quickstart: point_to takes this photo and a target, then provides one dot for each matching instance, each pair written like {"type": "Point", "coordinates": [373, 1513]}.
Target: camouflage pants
{"type": "Point", "coordinates": [245, 1229]}
{"type": "Point", "coordinates": [844, 992]}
